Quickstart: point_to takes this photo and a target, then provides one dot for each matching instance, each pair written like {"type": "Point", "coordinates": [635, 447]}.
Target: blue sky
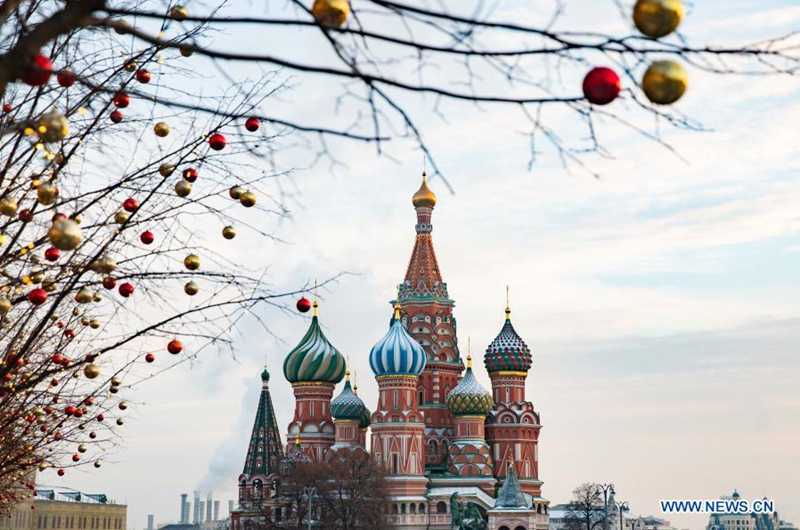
{"type": "Point", "coordinates": [661, 302]}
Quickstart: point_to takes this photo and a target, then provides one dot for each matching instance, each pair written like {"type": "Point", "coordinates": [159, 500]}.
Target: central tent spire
{"type": "Point", "coordinates": [423, 277]}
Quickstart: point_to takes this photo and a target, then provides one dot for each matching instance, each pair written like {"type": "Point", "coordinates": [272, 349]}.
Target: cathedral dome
{"type": "Point", "coordinates": [314, 359]}
{"type": "Point", "coordinates": [508, 352]}
{"type": "Point", "coordinates": [424, 196]}
{"type": "Point", "coordinates": [469, 397]}
{"type": "Point", "coordinates": [397, 353]}
{"type": "Point", "coordinates": [265, 375]}
{"type": "Point", "coordinates": [348, 406]}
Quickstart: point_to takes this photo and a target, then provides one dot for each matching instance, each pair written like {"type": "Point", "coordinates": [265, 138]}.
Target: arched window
{"type": "Point", "coordinates": [403, 508]}
{"type": "Point", "coordinates": [441, 507]}
{"type": "Point", "coordinates": [520, 527]}
{"type": "Point", "coordinates": [412, 508]}
{"type": "Point", "coordinates": [421, 507]}
{"type": "Point", "coordinates": [504, 528]}
{"type": "Point", "coordinates": [421, 396]}
{"type": "Point", "coordinates": [433, 447]}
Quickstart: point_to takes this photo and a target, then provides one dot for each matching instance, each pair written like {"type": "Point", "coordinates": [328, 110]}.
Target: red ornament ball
{"type": "Point", "coordinates": [122, 100]}
{"type": "Point", "coordinates": [26, 216]}
{"type": "Point", "coordinates": [61, 472]}
{"type": "Point", "coordinates": [252, 124]}
{"type": "Point", "coordinates": [190, 174]}
{"type": "Point", "coordinates": [65, 78]}
{"type": "Point", "coordinates": [217, 142]}
{"type": "Point", "coordinates": [39, 73]}
{"type": "Point", "coordinates": [58, 358]}
{"type": "Point", "coordinates": [143, 76]}
{"type": "Point", "coordinates": [130, 205]}
{"type": "Point", "coordinates": [52, 254]}
{"type": "Point", "coordinates": [149, 357]}
{"type": "Point", "coordinates": [303, 305]}
{"type": "Point", "coordinates": [174, 347]}
{"type": "Point", "coordinates": [126, 289]}
{"type": "Point", "coordinates": [37, 296]}
{"type": "Point", "coordinates": [75, 458]}
{"type": "Point", "coordinates": [109, 283]}
{"type": "Point", "coordinates": [100, 417]}
{"type": "Point", "coordinates": [59, 217]}
{"type": "Point", "coordinates": [116, 116]}
{"type": "Point", "coordinates": [601, 86]}
{"type": "Point", "coordinates": [7, 108]}
{"type": "Point", "coordinates": [147, 237]}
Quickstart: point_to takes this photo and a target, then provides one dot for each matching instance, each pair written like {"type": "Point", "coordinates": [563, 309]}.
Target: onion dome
{"type": "Point", "coordinates": [424, 196]}
{"type": "Point", "coordinates": [348, 406]}
{"type": "Point", "coordinates": [314, 359]}
{"type": "Point", "coordinates": [397, 353]}
{"type": "Point", "coordinates": [508, 352]}
{"type": "Point", "coordinates": [265, 375]}
{"type": "Point", "coordinates": [469, 397]}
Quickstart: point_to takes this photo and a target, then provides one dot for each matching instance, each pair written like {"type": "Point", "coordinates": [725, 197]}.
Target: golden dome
{"type": "Point", "coordinates": [424, 196]}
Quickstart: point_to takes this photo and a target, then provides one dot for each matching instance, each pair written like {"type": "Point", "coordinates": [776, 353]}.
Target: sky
{"type": "Point", "coordinates": [661, 301]}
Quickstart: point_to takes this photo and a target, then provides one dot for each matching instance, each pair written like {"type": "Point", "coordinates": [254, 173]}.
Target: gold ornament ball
{"type": "Point", "coordinates": [49, 285]}
{"type": "Point", "coordinates": [166, 170]}
{"type": "Point", "coordinates": [98, 463]}
{"type": "Point", "coordinates": [84, 296]}
{"type": "Point", "coordinates": [331, 13]}
{"type": "Point", "coordinates": [91, 371]}
{"type": "Point", "coordinates": [131, 66]}
{"type": "Point", "coordinates": [186, 51]}
{"type": "Point", "coordinates": [8, 207]}
{"type": "Point", "coordinates": [37, 277]}
{"type": "Point", "coordinates": [52, 127]}
{"type": "Point", "coordinates": [104, 265]}
{"type": "Point", "coordinates": [42, 466]}
{"type": "Point", "coordinates": [122, 405]}
{"type": "Point", "coordinates": [161, 129]}
{"type": "Point", "coordinates": [664, 82]}
{"type": "Point", "coordinates": [46, 194]}
{"type": "Point", "coordinates": [183, 188]}
{"type": "Point", "coordinates": [235, 193]}
{"type": "Point", "coordinates": [5, 306]}
{"type": "Point", "coordinates": [121, 217]}
{"type": "Point", "coordinates": [229, 232]}
{"type": "Point", "coordinates": [116, 381]}
{"type": "Point", "coordinates": [191, 288]}
{"type": "Point", "coordinates": [192, 262]}
{"type": "Point", "coordinates": [65, 234]}
{"type": "Point", "coordinates": [248, 199]}
{"type": "Point", "coordinates": [120, 421]}
{"type": "Point", "coordinates": [657, 18]}
{"type": "Point", "coordinates": [94, 324]}
{"type": "Point", "coordinates": [179, 12]}
{"type": "Point", "coordinates": [84, 321]}
{"type": "Point", "coordinates": [82, 448]}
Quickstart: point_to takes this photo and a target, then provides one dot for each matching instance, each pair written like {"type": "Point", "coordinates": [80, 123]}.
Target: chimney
{"type": "Point", "coordinates": [184, 509]}
{"type": "Point", "coordinates": [150, 521]}
{"type": "Point", "coordinates": [216, 510]}
{"type": "Point", "coordinates": [196, 513]}
{"type": "Point", "coordinates": [209, 506]}
{"type": "Point", "coordinates": [202, 511]}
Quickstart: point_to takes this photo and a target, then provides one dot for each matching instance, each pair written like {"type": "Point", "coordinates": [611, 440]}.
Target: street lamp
{"type": "Point", "coordinates": [606, 489]}
{"type": "Point", "coordinates": [310, 493]}
{"type": "Point", "coordinates": [622, 507]}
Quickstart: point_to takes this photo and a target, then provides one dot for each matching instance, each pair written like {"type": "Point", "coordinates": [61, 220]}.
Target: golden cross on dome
{"type": "Point", "coordinates": [397, 305]}
{"type": "Point", "coordinates": [469, 352]}
{"type": "Point", "coordinates": [316, 304]}
{"type": "Point", "coordinates": [508, 305]}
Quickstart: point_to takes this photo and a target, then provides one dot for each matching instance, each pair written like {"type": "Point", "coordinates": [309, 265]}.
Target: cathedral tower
{"type": "Point", "coordinates": [351, 418]}
{"type": "Point", "coordinates": [428, 315]}
{"type": "Point", "coordinates": [313, 368]}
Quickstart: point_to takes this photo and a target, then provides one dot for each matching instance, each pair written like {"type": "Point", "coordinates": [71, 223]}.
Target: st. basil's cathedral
{"type": "Point", "coordinates": [436, 429]}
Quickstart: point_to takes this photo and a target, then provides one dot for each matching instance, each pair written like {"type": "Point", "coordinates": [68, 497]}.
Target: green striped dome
{"type": "Point", "coordinates": [469, 397]}
{"type": "Point", "coordinates": [314, 359]}
{"type": "Point", "coordinates": [348, 406]}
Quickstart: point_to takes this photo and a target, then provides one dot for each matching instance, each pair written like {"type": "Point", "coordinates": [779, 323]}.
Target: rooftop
{"type": "Point", "coordinates": [60, 494]}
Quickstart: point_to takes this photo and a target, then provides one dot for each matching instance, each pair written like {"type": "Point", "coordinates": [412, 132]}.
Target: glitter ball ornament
{"type": "Point", "coordinates": [8, 206]}
{"type": "Point", "coordinates": [252, 124]}
{"type": "Point", "coordinates": [303, 305]}
{"type": "Point", "coordinates": [331, 13]}
{"type": "Point", "coordinates": [5, 306]}
{"type": "Point", "coordinates": [664, 82]}
{"type": "Point", "coordinates": [217, 142]}
{"type": "Point", "coordinates": [601, 86]}
{"type": "Point", "coordinates": [65, 235]}
{"type": "Point", "coordinates": [39, 72]}
{"type": "Point", "coordinates": [46, 194]}
{"type": "Point", "coordinates": [91, 371]}
{"type": "Point", "coordinates": [657, 18]}
{"type": "Point", "coordinates": [104, 265]}
{"type": "Point", "coordinates": [52, 127]}
{"type": "Point", "coordinates": [174, 347]}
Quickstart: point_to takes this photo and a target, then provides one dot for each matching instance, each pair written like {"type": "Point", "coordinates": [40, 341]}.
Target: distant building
{"type": "Point", "coordinates": [748, 521]}
{"type": "Point", "coordinates": [66, 509]}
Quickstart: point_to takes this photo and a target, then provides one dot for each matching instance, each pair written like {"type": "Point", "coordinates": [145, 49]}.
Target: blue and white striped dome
{"type": "Point", "coordinates": [397, 353]}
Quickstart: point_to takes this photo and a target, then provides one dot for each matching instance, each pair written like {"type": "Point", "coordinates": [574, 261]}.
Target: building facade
{"type": "Point", "coordinates": [457, 455]}
{"type": "Point", "coordinates": [66, 509]}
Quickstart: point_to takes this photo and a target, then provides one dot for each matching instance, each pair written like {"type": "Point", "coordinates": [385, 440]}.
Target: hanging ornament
{"type": "Point", "coordinates": [116, 116]}
{"type": "Point", "coordinates": [121, 217]}
{"type": "Point", "coordinates": [143, 76]}
{"type": "Point", "coordinates": [26, 215]}
{"type": "Point", "coordinates": [52, 254]}
{"type": "Point", "coordinates": [61, 472]}
{"type": "Point", "coordinates": [601, 86]}
{"type": "Point", "coordinates": [82, 448]}
{"type": "Point", "coordinates": [330, 13]}
{"type": "Point", "coordinates": [46, 194]}
{"type": "Point", "coordinates": [120, 421]}
{"type": "Point", "coordinates": [5, 305]}
{"type": "Point", "coordinates": [179, 12]}
{"type": "Point", "coordinates": [39, 72]}
{"type": "Point", "coordinates": [183, 188]}
{"type": "Point", "coordinates": [174, 347]}
{"type": "Point", "coordinates": [248, 199]}
{"type": "Point", "coordinates": [84, 296]}
{"type": "Point", "coordinates": [104, 265]}
{"type": "Point", "coordinates": [126, 289]}
{"type": "Point", "coordinates": [149, 357]}
{"type": "Point", "coordinates": [130, 65]}
{"type": "Point", "coordinates": [303, 305]}
{"type": "Point", "coordinates": [217, 142]}
{"type": "Point", "coordinates": [8, 206]}
{"type": "Point", "coordinates": [657, 18]}
{"type": "Point", "coordinates": [252, 124]}
{"type": "Point", "coordinates": [236, 192]}
{"type": "Point", "coordinates": [52, 127]}
{"type": "Point", "coordinates": [109, 283]}
{"type": "Point", "coordinates": [98, 463]}
{"type": "Point", "coordinates": [65, 78]}
{"type": "Point", "coordinates": [192, 262]}
{"type": "Point", "coordinates": [65, 235]}
{"type": "Point", "coordinates": [664, 82]}
{"type": "Point", "coordinates": [229, 232]}
{"type": "Point", "coordinates": [190, 174]}
{"type": "Point", "coordinates": [186, 50]}
{"type": "Point", "coordinates": [7, 108]}
{"type": "Point", "coordinates": [130, 205]}
{"type": "Point", "coordinates": [91, 371]}
{"type": "Point", "coordinates": [147, 237]}
{"type": "Point", "coordinates": [166, 169]}
{"type": "Point", "coordinates": [191, 288]}
{"type": "Point", "coordinates": [121, 100]}
{"type": "Point", "coordinates": [161, 129]}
